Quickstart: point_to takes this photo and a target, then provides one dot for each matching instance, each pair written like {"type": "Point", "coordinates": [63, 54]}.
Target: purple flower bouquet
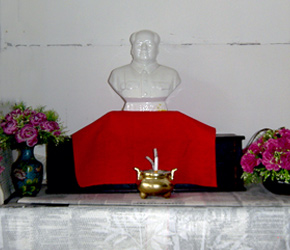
{"type": "Point", "coordinates": [27, 127]}
{"type": "Point", "coordinates": [267, 156]}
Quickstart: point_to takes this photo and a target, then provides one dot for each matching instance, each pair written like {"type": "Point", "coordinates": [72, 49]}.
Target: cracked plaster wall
{"type": "Point", "coordinates": [233, 57]}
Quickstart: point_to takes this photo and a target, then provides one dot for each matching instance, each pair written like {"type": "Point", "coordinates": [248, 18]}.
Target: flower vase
{"type": "Point", "coordinates": [277, 187]}
{"type": "Point", "coordinates": [27, 173]}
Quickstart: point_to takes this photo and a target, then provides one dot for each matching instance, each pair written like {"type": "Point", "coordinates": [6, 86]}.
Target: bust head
{"type": "Point", "coordinates": [144, 46]}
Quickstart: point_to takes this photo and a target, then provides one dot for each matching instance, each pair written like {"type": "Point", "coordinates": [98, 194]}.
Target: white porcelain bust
{"type": "Point", "coordinates": [144, 84]}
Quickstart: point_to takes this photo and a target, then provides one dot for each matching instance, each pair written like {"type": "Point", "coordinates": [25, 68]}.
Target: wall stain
{"type": "Point", "coordinates": [8, 44]}
{"type": "Point", "coordinates": [64, 45]}
{"type": "Point", "coordinates": [244, 44]}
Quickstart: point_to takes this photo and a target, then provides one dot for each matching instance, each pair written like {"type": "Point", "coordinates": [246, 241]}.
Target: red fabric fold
{"type": "Point", "coordinates": [107, 150]}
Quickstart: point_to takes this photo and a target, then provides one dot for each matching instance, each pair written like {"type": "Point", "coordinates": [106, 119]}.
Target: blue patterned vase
{"type": "Point", "coordinates": [27, 173]}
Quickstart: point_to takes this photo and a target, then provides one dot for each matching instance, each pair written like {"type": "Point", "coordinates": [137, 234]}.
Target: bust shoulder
{"type": "Point", "coordinates": [117, 75]}
{"type": "Point", "coordinates": [167, 70]}
{"type": "Point", "coordinates": [169, 74]}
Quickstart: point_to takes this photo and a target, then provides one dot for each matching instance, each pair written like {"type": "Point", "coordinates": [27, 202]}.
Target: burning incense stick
{"type": "Point", "coordinates": [155, 162]}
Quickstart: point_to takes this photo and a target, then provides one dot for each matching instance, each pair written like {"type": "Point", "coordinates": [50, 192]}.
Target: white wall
{"type": "Point", "coordinates": [233, 57]}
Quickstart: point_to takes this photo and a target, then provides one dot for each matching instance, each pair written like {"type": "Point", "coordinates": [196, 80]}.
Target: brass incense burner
{"type": "Point", "coordinates": [152, 182]}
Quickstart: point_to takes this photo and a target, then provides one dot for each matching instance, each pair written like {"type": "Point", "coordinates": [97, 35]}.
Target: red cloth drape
{"type": "Point", "coordinates": [107, 150]}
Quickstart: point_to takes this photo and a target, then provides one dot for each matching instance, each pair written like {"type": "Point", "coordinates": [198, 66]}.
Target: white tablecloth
{"type": "Point", "coordinates": [255, 219]}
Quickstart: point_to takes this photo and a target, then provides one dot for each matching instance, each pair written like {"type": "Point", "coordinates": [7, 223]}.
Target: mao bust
{"type": "Point", "coordinates": [144, 84]}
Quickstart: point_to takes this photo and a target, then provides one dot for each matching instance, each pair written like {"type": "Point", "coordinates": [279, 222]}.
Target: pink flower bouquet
{"type": "Point", "coordinates": [27, 127]}
{"type": "Point", "coordinates": [268, 156]}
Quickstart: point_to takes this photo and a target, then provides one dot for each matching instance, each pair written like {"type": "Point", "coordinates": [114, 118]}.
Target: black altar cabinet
{"type": "Point", "coordinates": [61, 174]}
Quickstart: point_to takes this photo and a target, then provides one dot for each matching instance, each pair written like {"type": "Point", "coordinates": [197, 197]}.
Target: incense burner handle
{"type": "Point", "coordinates": [172, 173]}
{"type": "Point", "coordinates": [139, 176]}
